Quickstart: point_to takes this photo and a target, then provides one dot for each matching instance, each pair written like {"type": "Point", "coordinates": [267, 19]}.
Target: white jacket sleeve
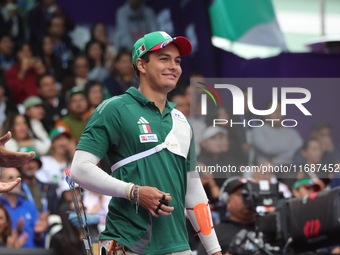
{"type": "Point", "coordinates": [86, 173]}
{"type": "Point", "coordinates": [195, 195]}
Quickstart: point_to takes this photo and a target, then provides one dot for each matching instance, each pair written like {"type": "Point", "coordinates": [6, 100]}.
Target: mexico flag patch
{"type": "Point", "coordinates": [145, 129]}
{"type": "Point", "coordinates": [141, 49]}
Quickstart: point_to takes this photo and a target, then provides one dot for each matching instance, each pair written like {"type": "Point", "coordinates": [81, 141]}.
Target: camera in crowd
{"type": "Point", "coordinates": [262, 193]}
{"type": "Point", "coordinates": [308, 225]}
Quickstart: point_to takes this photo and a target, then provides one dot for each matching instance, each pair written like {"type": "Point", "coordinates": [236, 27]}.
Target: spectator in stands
{"type": "Point", "coordinates": [19, 208]}
{"type": "Point", "coordinates": [41, 194]}
{"type": "Point", "coordinates": [7, 106]}
{"type": "Point", "coordinates": [62, 44]}
{"type": "Point", "coordinates": [178, 95]}
{"type": "Point", "coordinates": [10, 22]}
{"type": "Point", "coordinates": [215, 151]}
{"type": "Point", "coordinates": [58, 159]}
{"type": "Point", "coordinates": [35, 112]}
{"type": "Point", "coordinates": [9, 238]}
{"type": "Point", "coordinates": [335, 181]}
{"type": "Point", "coordinates": [21, 135]}
{"type": "Point", "coordinates": [22, 76]}
{"type": "Point", "coordinates": [94, 93]}
{"type": "Point", "coordinates": [76, 119]}
{"type": "Point", "coordinates": [6, 57]}
{"type": "Point", "coordinates": [95, 53]}
{"type": "Point", "coordinates": [234, 133]}
{"type": "Point", "coordinates": [81, 69]}
{"type": "Point", "coordinates": [305, 187]}
{"type": "Point", "coordinates": [311, 152]}
{"type": "Point", "coordinates": [55, 106]}
{"type": "Point", "coordinates": [99, 33]}
{"type": "Point", "coordinates": [97, 204]}
{"type": "Point", "coordinates": [238, 217]}
{"type": "Point", "coordinates": [322, 131]}
{"type": "Point", "coordinates": [66, 195]}
{"type": "Point", "coordinates": [274, 143]}
{"type": "Point", "coordinates": [50, 60]}
{"type": "Point", "coordinates": [69, 239]}
{"type": "Point", "coordinates": [134, 19]}
{"type": "Point", "coordinates": [122, 76]}
{"type": "Point", "coordinates": [41, 14]}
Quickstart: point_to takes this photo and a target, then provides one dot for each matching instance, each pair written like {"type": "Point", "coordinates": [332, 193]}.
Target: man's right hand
{"type": "Point", "coordinates": [149, 198]}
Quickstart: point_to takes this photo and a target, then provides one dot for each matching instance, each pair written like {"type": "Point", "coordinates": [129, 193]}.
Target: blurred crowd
{"type": "Point", "coordinates": [48, 90]}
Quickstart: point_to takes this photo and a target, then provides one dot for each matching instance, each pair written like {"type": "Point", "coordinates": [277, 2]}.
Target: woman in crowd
{"type": "Point", "coordinates": [236, 134]}
{"type": "Point", "coordinates": [94, 93]}
{"type": "Point", "coordinates": [69, 239]}
{"type": "Point", "coordinates": [122, 76]}
{"type": "Point", "coordinates": [59, 157]}
{"type": "Point", "coordinates": [22, 76]}
{"type": "Point", "coordinates": [9, 238]}
{"type": "Point", "coordinates": [51, 62]}
{"type": "Point", "coordinates": [22, 135]}
{"type": "Point", "coordinates": [95, 53]}
{"type": "Point", "coordinates": [99, 33]}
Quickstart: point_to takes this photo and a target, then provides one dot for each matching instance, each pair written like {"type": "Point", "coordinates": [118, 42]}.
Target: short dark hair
{"type": "Point", "coordinates": [79, 56]}
{"type": "Point", "coordinates": [146, 58]}
{"type": "Point", "coordinates": [8, 229]}
{"type": "Point", "coordinates": [307, 142]}
{"type": "Point", "coordinates": [18, 47]}
{"type": "Point", "coordinates": [42, 76]}
{"type": "Point", "coordinates": [54, 16]}
{"type": "Point", "coordinates": [5, 35]}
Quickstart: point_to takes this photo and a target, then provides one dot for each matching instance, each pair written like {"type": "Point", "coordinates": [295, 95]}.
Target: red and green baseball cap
{"type": "Point", "coordinates": [158, 40]}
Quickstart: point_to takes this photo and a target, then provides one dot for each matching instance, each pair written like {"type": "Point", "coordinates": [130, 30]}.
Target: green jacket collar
{"type": "Point", "coordinates": [139, 97]}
